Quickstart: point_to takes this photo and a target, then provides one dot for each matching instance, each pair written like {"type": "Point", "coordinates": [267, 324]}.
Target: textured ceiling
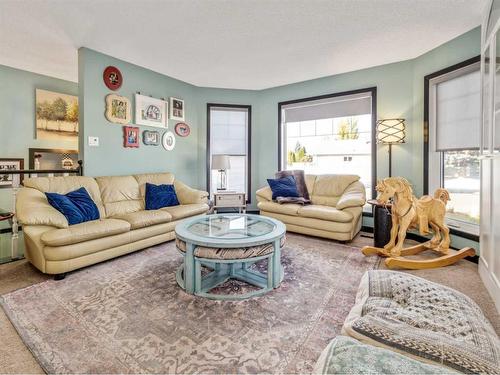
{"type": "Point", "coordinates": [246, 44]}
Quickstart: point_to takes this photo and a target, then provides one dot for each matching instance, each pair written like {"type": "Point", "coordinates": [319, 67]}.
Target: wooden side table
{"type": "Point", "coordinates": [230, 200]}
{"type": "Point", "coordinates": [382, 223]}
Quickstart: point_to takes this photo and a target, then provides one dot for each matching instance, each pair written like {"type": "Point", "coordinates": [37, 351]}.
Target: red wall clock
{"type": "Point", "coordinates": [112, 78]}
{"type": "Point", "coordinates": [182, 129]}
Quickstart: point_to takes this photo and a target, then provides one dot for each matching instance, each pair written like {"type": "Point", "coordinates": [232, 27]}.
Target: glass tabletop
{"type": "Point", "coordinates": [231, 226]}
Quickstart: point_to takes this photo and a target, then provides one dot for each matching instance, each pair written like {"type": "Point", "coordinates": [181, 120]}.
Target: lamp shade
{"type": "Point", "coordinates": [391, 131]}
{"type": "Point", "coordinates": [221, 162]}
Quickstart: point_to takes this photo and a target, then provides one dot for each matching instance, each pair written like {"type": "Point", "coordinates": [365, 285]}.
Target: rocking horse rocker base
{"type": "Point", "coordinates": [410, 212]}
{"type": "Point", "coordinates": [415, 264]}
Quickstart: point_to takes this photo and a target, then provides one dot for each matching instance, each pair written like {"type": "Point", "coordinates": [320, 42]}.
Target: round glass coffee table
{"type": "Point", "coordinates": [228, 245]}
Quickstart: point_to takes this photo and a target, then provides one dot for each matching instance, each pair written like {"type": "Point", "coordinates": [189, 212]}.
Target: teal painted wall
{"type": "Point", "coordinates": [17, 116]}
{"type": "Point", "coordinates": [111, 158]}
{"type": "Point", "coordinates": [400, 93]}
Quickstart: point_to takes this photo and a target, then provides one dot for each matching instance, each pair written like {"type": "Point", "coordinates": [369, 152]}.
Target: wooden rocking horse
{"type": "Point", "coordinates": [409, 212]}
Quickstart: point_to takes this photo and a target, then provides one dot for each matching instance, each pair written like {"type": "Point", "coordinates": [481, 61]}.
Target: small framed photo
{"type": "Point", "coordinates": [151, 137]}
{"type": "Point", "coordinates": [10, 180]}
{"type": "Point", "coordinates": [130, 136]}
{"type": "Point", "coordinates": [118, 109]}
{"type": "Point", "coordinates": [150, 111]}
{"type": "Point", "coordinates": [177, 109]}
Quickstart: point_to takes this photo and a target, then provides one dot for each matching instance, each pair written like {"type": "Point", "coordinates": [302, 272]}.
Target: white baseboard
{"type": "Point", "coordinates": [490, 282]}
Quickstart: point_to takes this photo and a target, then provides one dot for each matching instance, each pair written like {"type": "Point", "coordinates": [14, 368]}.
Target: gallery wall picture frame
{"type": "Point", "coordinates": [168, 141]}
{"type": "Point", "coordinates": [10, 180]}
{"type": "Point", "coordinates": [56, 116]}
{"type": "Point", "coordinates": [118, 109]}
{"type": "Point", "coordinates": [112, 78]}
{"type": "Point", "coordinates": [130, 136]}
{"type": "Point", "coordinates": [177, 109]}
{"type": "Point", "coordinates": [151, 137]}
{"type": "Point", "coordinates": [151, 111]}
{"type": "Point", "coordinates": [182, 129]}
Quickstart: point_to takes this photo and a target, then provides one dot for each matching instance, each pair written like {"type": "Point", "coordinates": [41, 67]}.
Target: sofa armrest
{"type": "Point", "coordinates": [32, 208]}
{"type": "Point", "coordinates": [264, 194]}
{"type": "Point", "coordinates": [188, 195]}
{"type": "Point", "coordinates": [353, 196]}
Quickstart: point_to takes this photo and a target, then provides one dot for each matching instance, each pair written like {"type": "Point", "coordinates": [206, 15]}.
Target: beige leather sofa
{"type": "Point", "coordinates": [125, 226]}
{"type": "Point", "coordinates": [335, 212]}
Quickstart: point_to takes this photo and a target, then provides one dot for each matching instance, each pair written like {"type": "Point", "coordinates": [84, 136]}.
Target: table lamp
{"type": "Point", "coordinates": [222, 164]}
{"type": "Point", "coordinates": [390, 131]}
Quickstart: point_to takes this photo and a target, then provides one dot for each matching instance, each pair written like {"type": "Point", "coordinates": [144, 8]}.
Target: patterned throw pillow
{"type": "Point", "coordinates": [344, 355]}
{"type": "Point", "coordinates": [425, 320]}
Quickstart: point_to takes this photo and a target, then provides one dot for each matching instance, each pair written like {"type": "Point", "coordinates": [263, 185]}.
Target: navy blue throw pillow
{"type": "Point", "coordinates": [283, 187]}
{"type": "Point", "coordinates": [158, 196]}
{"type": "Point", "coordinates": [76, 206]}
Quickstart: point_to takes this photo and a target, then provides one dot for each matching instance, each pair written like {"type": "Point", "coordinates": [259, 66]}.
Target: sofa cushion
{"type": "Point", "coordinates": [153, 178]}
{"type": "Point", "coordinates": [325, 213]}
{"type": "Point", "coordinates": [77, 206]}
{"type": "Point", "coordinates": [63, 185]}
{"type": "Point", "coordinates": [32, 208]}
{"type": "Point", "coordinates": [89, 230]}
{"type": "Point", "coordinates": [300, 181]}
{"type": "Point", "coordinates": [324, 200]}
{"type": "Point", "coordinates": [285, 209]}
{"type": "Point", "coordinates": [283, 187]}
{"type": "Point", "coordinates": [120, 194]}
{"type": "Point", "coordinates": [337, 358]}
{"type": "Point", "coordinates": [332, 185]}
{"type": "Point", "coordinates": [186, 210]}
{"type": "Point", "coordinates": [143, 218]}
{"type": "Point", "coordinates": [159, 196]}
{"type": "Point", "coordinates": [123, 240]}
{"type": "Point", "coordinates": [431, 322]}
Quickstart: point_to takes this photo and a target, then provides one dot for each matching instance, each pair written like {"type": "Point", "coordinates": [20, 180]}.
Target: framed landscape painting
{"type": "Point", "coordinates": [56, 116]}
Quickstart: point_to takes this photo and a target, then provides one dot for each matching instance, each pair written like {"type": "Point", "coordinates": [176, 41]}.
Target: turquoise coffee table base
{"type": "Point", "coordinates": [189, 275]}
{"type": "Point", "coordinates": [239, 269]}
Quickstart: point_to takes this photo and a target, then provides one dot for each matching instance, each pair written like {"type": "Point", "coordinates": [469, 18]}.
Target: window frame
{"type": "Point", "coordinates": [427, 133]}
{"type": "Point", "coordinates": [373, 93]}
{"type": "Point", "coordinates": [249, 145]}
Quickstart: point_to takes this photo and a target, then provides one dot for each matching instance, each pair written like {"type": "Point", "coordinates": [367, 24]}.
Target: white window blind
{"type": "Point", "coordinates": [458, 113]}
{"type": "Point", "coordinates": [344, 106]}
{"type": "Point", "coordinates": [229, 136]}
{"type": "Point", "coordinates": [228, 131]}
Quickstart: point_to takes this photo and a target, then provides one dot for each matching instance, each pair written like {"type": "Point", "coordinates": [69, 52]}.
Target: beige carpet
{"type": "Point", "coordinates": [15, 357]}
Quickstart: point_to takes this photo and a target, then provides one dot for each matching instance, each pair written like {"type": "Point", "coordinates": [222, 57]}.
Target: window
{"type": "Point", "coordinates": [454, 139]}
{"type": "Point", "coordinates": [229, 134]}
{"type": "Point", "coordinates": [331, 134]}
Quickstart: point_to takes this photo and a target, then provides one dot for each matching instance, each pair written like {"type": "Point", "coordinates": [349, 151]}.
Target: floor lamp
{"type": "Point", "coordinates": [390, 131]}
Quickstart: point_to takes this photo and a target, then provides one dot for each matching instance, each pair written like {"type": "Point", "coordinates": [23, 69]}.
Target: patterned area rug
{"type": "Point", "coordinates": [128, 315]}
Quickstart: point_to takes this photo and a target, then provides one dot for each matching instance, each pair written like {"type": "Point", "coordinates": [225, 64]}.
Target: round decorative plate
{"type": "Point", "coordinates": [182, 129]}
{"type": "Point", "coordinates": [168, 141]}
{"type": "Point", "coordinates": [112, 78]}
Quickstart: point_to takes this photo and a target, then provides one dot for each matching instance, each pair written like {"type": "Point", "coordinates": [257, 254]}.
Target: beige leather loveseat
{"type": "Point", "coordinates": [335, 212]}
{"type": "Point", "coordinates": [125, 226]}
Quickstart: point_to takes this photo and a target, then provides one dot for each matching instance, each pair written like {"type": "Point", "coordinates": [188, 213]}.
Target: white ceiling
{"type": "Point", "coordinates": [245, 44]}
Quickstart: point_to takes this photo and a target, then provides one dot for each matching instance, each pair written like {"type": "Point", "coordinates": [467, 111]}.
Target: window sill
{"type": "Point", "coordinates": [466, 235]}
